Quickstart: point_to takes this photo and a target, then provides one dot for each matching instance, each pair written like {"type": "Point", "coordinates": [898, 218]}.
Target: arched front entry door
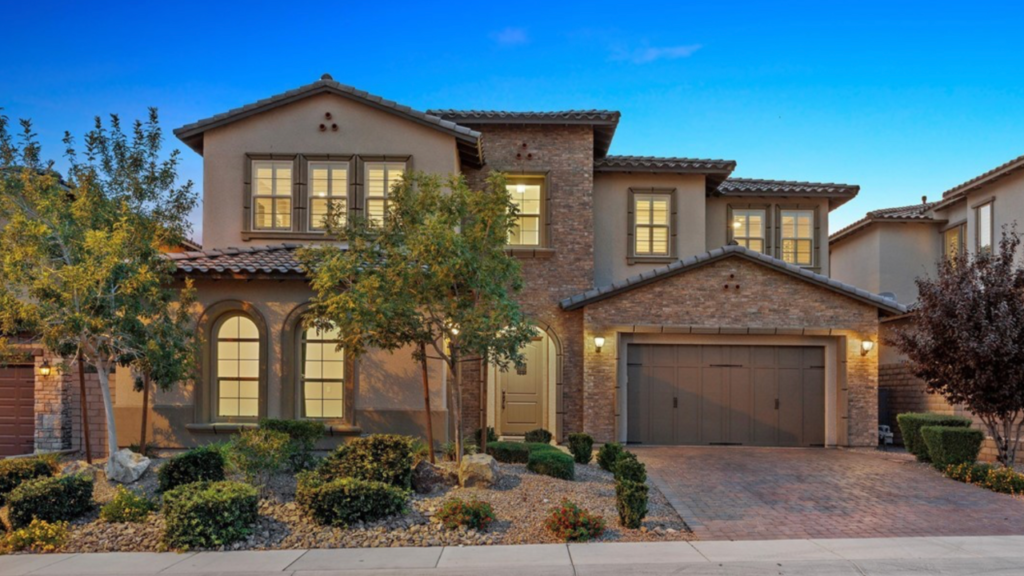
{"type": "Point", "coordinates": [522, 390]}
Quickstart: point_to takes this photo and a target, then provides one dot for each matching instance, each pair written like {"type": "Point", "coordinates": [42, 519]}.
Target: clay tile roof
{"type": "Point", "coordinates": [679, 266]}
{"type": "Point", "coordinates": [912, 213]}
{"type": "Point", "coordinates": [273, 260]}
{"type": "Point", "coordinates": [978, 181]}
{"type": "Point", "coordinates": [838, 194]}
{"type": "Point", "coordinates": [663, 164]}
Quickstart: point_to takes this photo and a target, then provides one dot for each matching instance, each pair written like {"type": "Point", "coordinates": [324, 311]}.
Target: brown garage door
{"type": "Point", "coordinates": [752, 395]}
{"type": "Point", "coordinates": [17, 410]}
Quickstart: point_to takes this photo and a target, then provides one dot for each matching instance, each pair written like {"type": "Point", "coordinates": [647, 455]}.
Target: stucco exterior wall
{"type": "Point", "coordinates": [1007, 195]}
{"type": "Point", "coordinates": [857, 260]}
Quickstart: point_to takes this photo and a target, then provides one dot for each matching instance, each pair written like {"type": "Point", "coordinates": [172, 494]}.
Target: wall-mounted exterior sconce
{"type": "Point", "coordinates": [599, 342]}
{"type": "Point", "coordinates": [44, 368]}
{"type": "Point", "coordinates": [866, 346]}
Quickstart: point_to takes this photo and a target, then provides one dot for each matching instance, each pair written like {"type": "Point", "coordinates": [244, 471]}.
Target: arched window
{"type": "Point", "coordinates": [237, 366]}
{"type": "Point", "coordinates": [322, 376]}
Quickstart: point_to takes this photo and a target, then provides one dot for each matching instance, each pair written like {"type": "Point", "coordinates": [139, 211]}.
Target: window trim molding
{"type": "Point", "coordinates": [307, 159]}
{"type": "Point", "coordinates": [291, 372]}
{"type": "Point", "coordinates": [544, 229]}
{"type": "Point", "coordinates": [206, 385]}
{"type": "Point", "coordinates": [962, 228]}
{"type": "Point", "coordinates": [631, 256]}
{"type": "Point", "coordinates": [816, 241]}
{"type": "Point", "coordinates": [730, 236]}
{"type": "Point", "coordinates": [992, 224]}
{"type": "Point", "coordinates": [357, 179]}
{"type": "Point", "coordinates": [247, 200]}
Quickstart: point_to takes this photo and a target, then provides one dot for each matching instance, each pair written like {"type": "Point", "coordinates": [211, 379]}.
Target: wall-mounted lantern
{"type": "Point", "coordinates": [866, 346]}
{"type": "Point", "coordinates": [44, 368]}
{"type": "Point", "coordinates": [599, 342]}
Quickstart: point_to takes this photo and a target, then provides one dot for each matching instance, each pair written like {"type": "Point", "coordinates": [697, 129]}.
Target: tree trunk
{"type": "Point", "coordinates": [145, 412]}
{"type": "Point", "coordinates": [426, 400]}
{"type": "Point", "coordinates": [457, 404]}
{"type": "Point", "coordinates": [108, 406]}
{"type": "Point", "coordinates": [483, 406]}
{"type": "Point", "coordinates": [85, 409]}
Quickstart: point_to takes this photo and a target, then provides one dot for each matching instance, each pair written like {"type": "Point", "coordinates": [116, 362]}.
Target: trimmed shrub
{"type": "Point", "coordinates": [630, 469]}
{"type": "Point", "coordinates": [50, 499]}
{"type": "Point", "coordinates": [378, 458]}
{"type": "Point", "coordinates": [258, 453]}
{"type": "Point", "coordinates": [126, 506]}
{"type": "Point", "coordinates": [303, 436]}
{"type": "Point", "coordinates": [492, 436]}
{"type": "Point", "coordinates": [473, 513]}
{"type": "Point", "coordinates": [997, 479]}
{"type": "Point", "coordinates": [537, 446]}
{"type": "Point", "coordinates": [582, 447]}
{"type": "Point", "coordinates": [203, 464]}
{"type": "Point", "coordinates": [209, 514]}
{"type": "Point", "coordinates": [38, 536]}
{"type": "Point", "coordinates": [631, 503]}
{"type": "Point", "coordinates": [539, 435]}
{"type": "Point", "coordinates": [342, 501]}
{"type": "Point", "coordinates": [571, 523]}
{"type": "Point", "coordinates": [969, 473]}
{"type": "Point", "coordinates": [509, 452]}
{"type": "Point", "coordinates": [608, 455]}
{"type": "Point", "coordinates": [14, 471]}
{"type": "Point", "coordinates": [554, 463]}
{"type": "Point", "coordinates": [948, 446]}
{"type": "Point", "coordinates": [912, 422]}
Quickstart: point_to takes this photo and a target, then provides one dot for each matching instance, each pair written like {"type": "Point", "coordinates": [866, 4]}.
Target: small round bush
{"type": "Point", "coordinates": [631, 503]}
{"type": "Point", "coordinates": [630, 469]}
{"type": "Point", "coordinates": [1005, 480]}
{"type": "Point", "coordinates": [541, 447]}
{"type": "Point", "coordinates": [571, 523]}
{"type": "Point", "coordinates": [969, 473]}
{"type": "Point", "coordinates": [457, 512]}
{"type": "Point", "coordinates": [554, 463]}
{"type": "Point", "coordinates": [539, 435]}
{"type": "Point", "coordinates": [14, 471]}
{"type": "Point", "coordinates": [209, 514]}
{"type": "Point", "coordinates": [50, 499]}
{"type": "Point", "coordinates": [384, 458]}
{"type": "Point", "coordinates": [608, 455]}
{"type": "Point", "coordinates": [203, 464]}
{"type": "Point", "coordinates": [509, 452]}
{"type": "Point", "coordinates": [126, 506]}
{"type": "Point", "coordinates": [303, 436]}
{"type": "Point", "coordinates": [342, 501]}
{"type": "Point", "coordinates": [582, 447]}
{"type": "Point", "coordinates": [38, 536]}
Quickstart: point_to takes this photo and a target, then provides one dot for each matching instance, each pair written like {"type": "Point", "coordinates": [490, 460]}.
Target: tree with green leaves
{"type": "Point", "coordinates": [82, 267]}
{"type": "Point", "coordinates": [434, 274]}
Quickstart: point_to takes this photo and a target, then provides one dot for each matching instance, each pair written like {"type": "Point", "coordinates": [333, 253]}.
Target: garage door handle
{"type": "Point", "coordinates": [675, 402]}
{"type": "Point", "coordinates": [776, 403]}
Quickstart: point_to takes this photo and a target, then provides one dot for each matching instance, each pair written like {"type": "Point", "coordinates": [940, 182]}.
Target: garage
{"type": "Point", "coordinates": [17, 410]}
{"type": "Point", "coordinates": [721, 395]}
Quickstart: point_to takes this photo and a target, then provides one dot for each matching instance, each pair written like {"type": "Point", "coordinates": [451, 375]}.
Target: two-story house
{"type": "Point", "coordinates": [673, 303]}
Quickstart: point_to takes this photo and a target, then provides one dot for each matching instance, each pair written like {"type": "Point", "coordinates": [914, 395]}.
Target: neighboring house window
{"type": "Point", "coordinates": [797, 238]}
{"type": "Point", "coordinates": [651, 228]}
{"type": "Point", "coordinates": [323, 375]}
{"type": "Point", "coordinates": [527, 194]}
{"type": "Point", "coordinates": [328, 188]}
{"type": "Point", "coordinates": [983, 241]}
{"type": "Point", "coordinates": [748, 228]}
{"type": "Point", "coordinates": [272, 195]}
{"type": "Point", "coordinates": [380, 177]}
{"type": "Point", "coordinates": [953, 241]}
{"type": "Point", "coordinates": [237, 366]}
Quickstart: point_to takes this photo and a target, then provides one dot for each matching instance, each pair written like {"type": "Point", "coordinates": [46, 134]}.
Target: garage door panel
{"type": "Point", "coordinates": [688, 392]}
{"type": "Point", "coordinates": [740, 407]}
{"type": "Point", "coordinates": [714, 395]}
{"type": "Point", "coordinates": [662, 390]}
{"type": "Point", "coordinates": [791, 407]}
{"type": "Point", "coordinates": [637, 407]}
{"type": "Point", "coordinates": [688, 356]}
{"type": "Point", "coordinates": [814, 407]}
{"type": "Point", "coordinates": [762, 356]}
{"type": "Point", "coordinates": [17, 407]}
{"type": "Point", "coordinates": [661, 356]}
{"type": "Point", "coordinates": [766, 416]}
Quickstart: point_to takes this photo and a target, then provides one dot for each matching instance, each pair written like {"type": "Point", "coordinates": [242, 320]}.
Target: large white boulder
{"type": "Point", "coordinates": [126, 466]}
{"type": "Point", "coordinates": [478, 471]}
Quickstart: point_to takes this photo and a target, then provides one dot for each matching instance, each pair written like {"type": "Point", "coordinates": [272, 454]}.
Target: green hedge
{"type": "Point", "coordinates": [608, 455]}
{"type": "Point", "coordinates": [912, 422]}
{"type": "Point", "coordinates": [14, 471]}
{"type": "Point", "coordinates": [49, 499]}
{"type": "Point", "coordinates": [554, 463]}
{"type": "Point", "coordinates": [630, 469]}
{"type": "Point", "coordinates": [541, 447]}
{"type": "Point", "coordinates": [342, 501]}
{"type": "Point", "coordinates": [209, 514]}
{"type": "Point", "coordinates": [203, 464]}
{"type": "Point", "coordinates": [582, 447]}
{"type": "Point", "coordinates": [384, 458]}
{"type": "Point", "coordinates": [949, 445]}
{"type": "Point", "coordinates": [631, 503]}
{"type": "Point", "coordinates": [509, 452]}
{"type": "Point", "coordinates": [303, 436]}
{"type": "Point", "coordinates": [539, 435]}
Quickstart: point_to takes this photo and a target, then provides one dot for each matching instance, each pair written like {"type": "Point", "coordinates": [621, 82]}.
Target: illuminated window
{"type": "Point", "coordinates": [983, 239]}
{"type": "Point", "coordinates": [323, 375]}
{"type": "Point", "coordinates": [748, 228]}
{"type": "Point", "coordinates": [953, 241]}
{"type": "Point", "coordinates": [651, 228]}
{"type": "Point", "coordinates": [272, 195]}
{"type": "Point", "coordinates": [798, 237]}
{"type": "Point", "coordinates": [328, 188]}
{"type": "Point", "coordinates": [380, 177]}
{"type": "Point", "coordinates": [527, 194]}
{"type": "Point", "coordinates": [238, 367]}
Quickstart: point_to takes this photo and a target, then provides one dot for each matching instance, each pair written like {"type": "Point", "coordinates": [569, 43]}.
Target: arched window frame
{"type": "Point", "coordinates": [207, 392]}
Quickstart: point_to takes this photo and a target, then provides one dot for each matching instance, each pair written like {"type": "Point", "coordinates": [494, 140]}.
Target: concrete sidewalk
{"type": "Point", "coordinates": [990, 555]}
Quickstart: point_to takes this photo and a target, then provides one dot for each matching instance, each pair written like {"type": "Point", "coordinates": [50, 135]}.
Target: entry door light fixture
{"type": "Point", "coordinates": [599, 342]}
{"type": "Point", "coordinates": [867, 345]}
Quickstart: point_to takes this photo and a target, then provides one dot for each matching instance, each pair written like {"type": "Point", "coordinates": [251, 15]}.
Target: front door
{"type": "Point", "coordinates": [521, 391]}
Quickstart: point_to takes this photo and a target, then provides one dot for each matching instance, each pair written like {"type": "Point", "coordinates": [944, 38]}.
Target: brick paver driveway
{"type": "Point", "coordinates": [742, 493]}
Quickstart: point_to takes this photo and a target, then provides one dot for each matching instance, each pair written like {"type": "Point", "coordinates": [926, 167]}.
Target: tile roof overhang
{"type": "Point", "coordinates": [915, 213]}
{"type": "Point", "coordinates": [680, 266]}
{"type": "Point", "coordinates": [838, 194]}
{"type": "Point", "coordinates": [275, 261]}
{"type": "Point", "coordinates": [716, 171]}
{"type": "Point", "coordinates": [956, 193]}
{"type": "Point", "coordinates": [604, 121]}
{"type": "Point", "coordinates": [467, 139]}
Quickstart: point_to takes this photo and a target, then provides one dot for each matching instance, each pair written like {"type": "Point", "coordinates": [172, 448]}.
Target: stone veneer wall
{"type": "Point", "coordinates": [59, 410]}
{"type": "Point", "coordinates": [566, 155]}
{"type": "Point", "coordinates": [766, 299]}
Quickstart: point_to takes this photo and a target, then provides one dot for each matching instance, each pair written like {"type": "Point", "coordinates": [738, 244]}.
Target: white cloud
{"type": "Point", "coordinates": [652, 53]}
{"type": "Point", "coordinates": [510, 36]}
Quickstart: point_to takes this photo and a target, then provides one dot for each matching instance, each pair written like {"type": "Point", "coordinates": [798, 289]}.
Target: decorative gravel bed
{"type": "Point", "coordinates": [521, 502]}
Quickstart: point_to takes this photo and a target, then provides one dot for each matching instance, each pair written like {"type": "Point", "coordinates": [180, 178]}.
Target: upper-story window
{"type": "Point", "coordinates": [748, 228]}
{"type": "Point", "coordinates": [272, 194]}
{"type": "Point", "coordinates": [652, 226]}
{"type": "Point", "coordinates": [528, 196]}
{"type": "Point", "coordinates": [797, 237]}
{"type": "Point", "coordinates": [983, 236]}
{"type": "Point", "coordinates": [328, 187]}
{"type": "Point", "coordinates": [953, 241]}
{"type": "Point", "coordinates": [380, 177]}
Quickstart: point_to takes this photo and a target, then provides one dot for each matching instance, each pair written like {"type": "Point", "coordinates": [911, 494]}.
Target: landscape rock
{"type": "Point", "coordinates": [126, 466]}
{"type": "Point", "coordinates": [427, 477]}
{"type": "Point", "coordinates": [78, 467]}
{"type": "Point", "coordinates": [478, 471]}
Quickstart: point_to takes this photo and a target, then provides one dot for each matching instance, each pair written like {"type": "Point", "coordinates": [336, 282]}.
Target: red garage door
{"type": "Point", "coordinates": [17, 410]}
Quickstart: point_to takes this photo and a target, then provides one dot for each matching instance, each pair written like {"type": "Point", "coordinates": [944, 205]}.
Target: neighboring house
{"type": "Point", "coordinates": [887, 250]}
{"type": "Point", "coordinates": [674, 304]}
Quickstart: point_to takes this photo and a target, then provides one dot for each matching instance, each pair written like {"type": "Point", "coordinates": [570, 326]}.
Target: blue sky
{"type": "Point", "coordinates": [903, 98]}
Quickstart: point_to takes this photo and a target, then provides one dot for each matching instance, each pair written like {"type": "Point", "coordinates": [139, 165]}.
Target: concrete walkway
{"type": "Point", "coordinates": [991, 555]}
